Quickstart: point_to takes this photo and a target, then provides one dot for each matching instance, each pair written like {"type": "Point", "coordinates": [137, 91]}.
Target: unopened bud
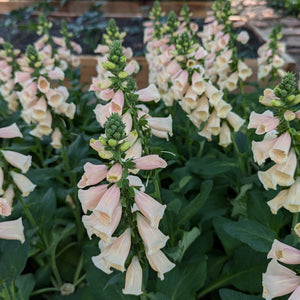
{"type": "Point", "coordinates": [112, 142]}
{"type": "Point", "coordinates": [123, 74]}
{"type": "Point", "coordinates": [289, 115]}
{"type": "Point", "coordinates": [276, 103]}
{"type": "Point", "coordinates": [125, 146]}
{"type": "Point", "coordinates": [297, 99]}
{"type": "Point", "coordinates": [103, 140]}
{"type": "Point", "coordinates": [67, 289]}
{"type": "Point", "coordinates": [105, 154]}
{"type": "Point", "coordinates": [291, 97]}
{"type": "Point", "coordinates": [37, 64]}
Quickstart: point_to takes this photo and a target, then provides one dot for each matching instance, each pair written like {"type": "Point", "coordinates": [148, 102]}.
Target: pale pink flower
{"type": "Point", "coordinates": [127, 120]}
{"type": "Point", "coordinates": [133, 280]}
{"type": "Point", "coordinates": [153, 238]}
{"type": "Point", "coordinates": [102, 112]}
{"type": "Point", "coordinates": [280, 150]}
{"type": "Point", "coordinates": [57, 73]}
{"type": "Point", "coordinates": [39, 109]}
{"type": "Point", "coordinates": [243, 37]}
{"type": "Point", "coordinates": [284, 173]}
{"type": "Point", "coordinates": [263, 122]}
{"type": "Point", "coordinates": [1, 181]}
{"type": "Point", "coordinates": [115, 173]}
{"type": "Point", "coordinates": [292, 202]}
{"type": "Point", "coordinates": [18, 160]}
{"type": "Point", "coordinates": [279, 280]}
{"type": "Point", "coordinates": [235, 120]}
{"type": "Point", "coordinates": [136, 181]}
{"type": "Point", "coordinates": [284, 253]}
{"type": "Point", "coordinates": [149, 93]}
{"type": "Point", "coordinates": [173, 67]}
{"type": "Point", "coordinates": [107, 94]}
{"type": "Point", "coordinates": [109, 201]}
{"type": "Point", "coordinates": [212, 93]}
{"type": "Point", "coordinates": [43, 84]}
{"type": "Point", "coordinates": [181, 81]}
{"type": "Point", "coordinates": [161, 124]}
{"type": "Point", "coordinates": [135, 151]}
{"type": "Point", "coordinates": [231, 82]}
{"type": "Point", "coordinates": [56, 138]}
{"type": "Point", "coordinates": [93, 174]}
{"type": "Point", "coordinates": [267, 178]}
{"type": "Point", "coordinates": [21, 77]}
{"type": "Point", "coordinates": [261, 150]}
{"type": "Point", "coordinates": [96, 145]}
{"type": "Point", "coordinates": [222, 108]}
{"type": "Point", "coordinates": [200, 53]}
{"type": "Point", "coordinates": [224, 135]}
{"type": "Point", "coordinates": [105, 231]}
{"type": "Point", "coordinates": [117, 102]}
{"type": "Point", "coordinates": [55, 97]}
{"type": "Point", "coordinates": [23, 183]}
{"type": "Point", "coordinates": [160, 263]}
{"type": "Point", "coordinates": [90, 198]}
{"type": "Point", "coordinates": [149, 207]}
{"type": "Point", "coordinates": [102, 49]}
{"type": "Point", "coordinates": [213, 123]}
{"type": "Point", "coordinates": [198, 83]}
{"type": "Point", "coordinates": [76, 47]}
{"type": "Point", "coordinates": [10, 131]}
{"type": "Point", "coordinates": [12, 230]}
{"type": "Point", "coordinates": [115, 254]}
{"type": "Point", "coordinates": [297, 229]}
{"type": "Point", "coordinates": [243, 70]}
{"type": "Point", "coordinates": [276, 203]}
{"type": "Point", "coordinates": [149, 162]}
{"type": "Point", "coordinates": [267, 98]}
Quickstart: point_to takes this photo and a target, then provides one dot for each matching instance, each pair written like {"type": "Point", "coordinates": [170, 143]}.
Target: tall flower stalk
{"type": "Point", "coordinates": [123, 215]}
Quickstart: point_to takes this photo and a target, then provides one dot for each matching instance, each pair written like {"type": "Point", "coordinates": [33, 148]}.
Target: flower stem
{"type": "Point", "coordinates": [239, 155]}
{"type": "Point", "coordinates": [44, 290]}
{"type": "Point", "coordinates": [243, 97]}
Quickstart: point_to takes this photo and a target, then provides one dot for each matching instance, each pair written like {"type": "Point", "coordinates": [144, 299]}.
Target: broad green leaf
{"type": "Point", "coordinates": [227, 294]}
{"type": "Point", "coordinates": [240, 201]}
{"type": "Point", "coordinates": [210, 166]}
{"type": "Point", "coordinates": [254, 234]}
{"type": "Point", "coordinates": [194, 206]}
{"type": "Point", "coordinates": [229, 243]}
{"type": "Point", "coordinates": [13, 258]}
{"type": "Point", "coordinates": [183, 182]}
{"type": "Point", "coordinates": [188, 237]}
{"type": "Point", "coordinates": [25, 284]}
{"type": "Point", "coordinates": [184, 280]}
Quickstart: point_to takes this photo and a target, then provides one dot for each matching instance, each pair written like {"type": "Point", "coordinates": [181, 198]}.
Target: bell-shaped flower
{"type": "Point", "coordinates": [39, 109]}
{"type": "Point", "coordinates": [12, 230]}
{"type": "Point", "coordinates": [108, 203]}
{"type": "Point", "coordinates": [280, 150]}
{"type": "Point", "coordinates": [117, 102]}
{"type": "Point", "coordinates": [153, 238]}
{"type": "Point", "coordinates": [150, 208]}
{"type": "Point", "coordinates": [213, 94]}
{"type": "Point", "coordinates": [243, 37]}
{"type": "Point", "coordinates": [134, 278]}
{"type": "Point", "coordinates": [149, 162]}
{"type": "Point", "coordinates": [261, 150]}
{"type": "Point", "coordinates": [23, 183]}
{"type": "Point", "coordinates": [267, 178]}
{"type": "Point", "coordinates": [292, 202]}
{"type": "Point", "coordinates": [10, 131]}
{"type": "Point", "coordinates": [279, 280]}
{"type": "Point", "coordinates": [93, 174]}
{"type": "Point", "coordinates": [56, 138]}
{"type": "Point", "coordinates": [90, 198]}
{"type": "Point", "coordinates": [43, 84]}
{"type": "Point", "coordinates": [160, 263]}
{"type": "Point", "coordinates": [284, 253]}
{"type": "Point", "coordinates": [18, 160]}
{"type": "Point", "coordinates": [224, 135]}
{"type": "Point", "coordinates": [115, 254]}
{"type": "Point", "coordinates": [263, 122]}
{"type": "Point", "coordinates": [149, 93]}
{"type": "Point", "coordinates": [57, 73]}
{"type": "Point", "coordinates": [115, 173]}
{"type": "Point", "coordinates": [235, 121]}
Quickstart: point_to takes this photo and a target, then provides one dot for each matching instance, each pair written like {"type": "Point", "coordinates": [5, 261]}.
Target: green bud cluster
{"type": "Point", "coordinates": [155, 12]}
{"type": "Point", "coordinates": [186, 14]}
{"type": "Point", "coordinates": [184, 44]}
{"type": "Point", "coordinates": [114, 129]}
{"type": "Point", "coordinates": [274, 37]}
{"type": "Point", "coordinates": [64, 31]}
{"type": "Point", "coordinates": [286, 88]}
{"type": "Point", "coordinates": [43, 25]}
{"type": "Point", "coordinates": [172, 25]}
{"type": "Point", "coordinates": [32, 57]}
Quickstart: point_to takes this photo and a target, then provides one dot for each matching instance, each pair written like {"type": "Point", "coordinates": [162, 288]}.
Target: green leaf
{"type": "Point", "coordinates": [183, 182]}
{"type": "Point", "coordinates": [193, 207]}
{"type": "Point", "coordinates": [184, 280]}
{"type": "Point", "coordinates": [13, 258]}
{"type": "Point", "coordinates": [240, 201]}
{"type": "Point", "coordinates": [211, 166]}
{"type": "Point", "coordinates": [25, 284]}
{"type": "Point", "coordinates": [229, 243]}
{"type": "Point", "coordinates": [188, 237]}
{"type": "Point", "coordinates": [227, 294]}
{"type": "Point", "coordinates": [254, 234]}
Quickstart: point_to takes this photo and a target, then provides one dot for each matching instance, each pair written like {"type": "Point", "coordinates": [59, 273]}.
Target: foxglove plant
{"type": "Point", "coordinates": [270, 61]}
{"type": "Point", "coordinates": [9, 67]}
{"type": "Point", "coordinates": [42, 102]}
{"type": "Point", "coordinates": [279, 125]}
{"type": "Point", "coordinates": [12, 183]}
{"type": "Point", "coordinates": [112, 34]}
{"type": "Point", "coordinates": [123, 216]}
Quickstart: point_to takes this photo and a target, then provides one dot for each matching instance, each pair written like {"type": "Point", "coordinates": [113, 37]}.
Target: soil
{"type": "Point", "coordinates": [88, 36]}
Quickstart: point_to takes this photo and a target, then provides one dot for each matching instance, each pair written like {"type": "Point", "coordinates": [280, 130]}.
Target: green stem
{"type": "Point", "coordinates": [239, 155]}
{"type": "Point", "coordinates": [44, 290]}
{"type": "Point", "coordinates": [78, 269]}
{"type": "Point", "coordinates": [6, 292]}
{"type": "Point", "coordinates": [243, 98]}
{"type": "Point", "coordinates": [80, 280]}
{"type": "Point", "coordinates": [13, 290]}
{"type": "Point", "coordinates": [28, 213]}
{"type": "Point", "coordinates": [55, 269]}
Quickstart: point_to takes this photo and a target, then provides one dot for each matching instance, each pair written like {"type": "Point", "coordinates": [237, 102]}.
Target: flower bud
{"type": "Point", "coordinates": [123, 75]}
{"type": "Point", "coordinates": [125, 146]}
{"type": "Point", "coordinates": [102, 140]}
{"type": "Point", "coordinates": [112, 142]}
{"type": "Point", "coordinates": [105, 154]}
{"type": "Point", "coordinates": [276, 102]}
{"type": "Point", "coordinates": [289, 115]}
